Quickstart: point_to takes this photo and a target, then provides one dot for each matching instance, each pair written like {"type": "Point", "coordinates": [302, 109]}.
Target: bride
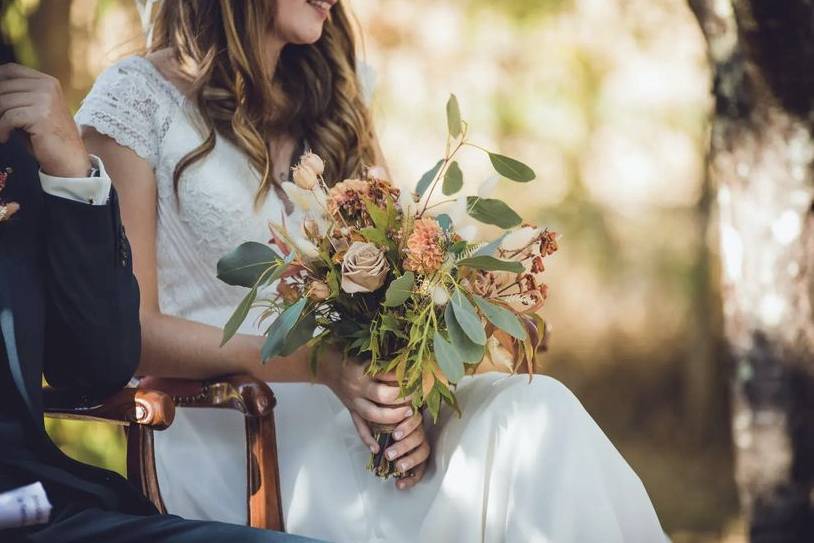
{"type": "Point", "coordinates": [198, 136]}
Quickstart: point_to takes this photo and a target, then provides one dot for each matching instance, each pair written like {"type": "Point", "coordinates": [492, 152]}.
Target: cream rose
{"type": "Point", "coordinates": [364, 268]}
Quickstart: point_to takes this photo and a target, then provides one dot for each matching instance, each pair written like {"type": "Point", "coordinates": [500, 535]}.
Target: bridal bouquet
{"type": "Point", "coordinates": [374, 271]}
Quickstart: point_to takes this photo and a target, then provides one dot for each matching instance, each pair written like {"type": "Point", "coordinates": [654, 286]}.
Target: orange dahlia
{"type": "Point", "coordinates": [424, 251]}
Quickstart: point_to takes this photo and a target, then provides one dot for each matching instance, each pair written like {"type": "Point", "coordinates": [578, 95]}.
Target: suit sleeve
{"type": "Point", "coordinates": [93, 338]}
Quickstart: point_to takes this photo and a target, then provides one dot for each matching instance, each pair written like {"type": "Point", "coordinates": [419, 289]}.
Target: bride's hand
{"type": "Point", "coordinates": [367, 400]}
{"type": "Point", "coordinates": [410, 452]}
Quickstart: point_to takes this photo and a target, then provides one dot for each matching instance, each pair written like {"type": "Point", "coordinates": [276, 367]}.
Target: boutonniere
{"type": "Point", "coordinates": [10, 208]}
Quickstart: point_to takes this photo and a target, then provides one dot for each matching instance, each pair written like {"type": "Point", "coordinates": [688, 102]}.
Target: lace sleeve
{"type": "Point", "coordinates": [127, 104]}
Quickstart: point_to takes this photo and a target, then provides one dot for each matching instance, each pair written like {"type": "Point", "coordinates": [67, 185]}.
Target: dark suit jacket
{"type": "Point", "coordinates": [68, 310]}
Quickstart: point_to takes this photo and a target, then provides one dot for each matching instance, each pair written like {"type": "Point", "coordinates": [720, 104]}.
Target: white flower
{"type": "Point", "coordinates": [306, 200]}
{"type": "Point", "coordinates": [520, 238]}
{"type": "Point", "coordinates": [304, 177]}
{"type": "Point", "coordinates": [312, 162]}
{"type": "Point", "coordinates": [440, 295]}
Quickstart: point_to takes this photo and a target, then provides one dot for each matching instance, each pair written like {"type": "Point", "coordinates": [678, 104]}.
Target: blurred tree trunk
{"type": "Point", "coordinates": [50, 31]}
{"type": "Point", "coordinates": [762, 148]}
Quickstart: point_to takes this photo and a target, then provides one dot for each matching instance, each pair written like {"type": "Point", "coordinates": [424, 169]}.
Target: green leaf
{"type": "Point", "coordinates": [239, 315]}
{"type": "Point", "coordinates": [458, 247]}
{"type": "Point", "coordinates": [445, 221]}
{"type": "Point", "coordinates": [279, 329]}
{"type": "Point", "coordinates": [399, 290]}
{"type": "Point", "coordinates": [470, 351]}
{"type": "Point", "coordinates": [302, 332]}
{"type": "Point", "coordinates": [490, 263]}
{"type": "Point", "coordinates": [434, 403]}
{"type": "Point", "coordinates": [511, 168]}
{"type": "Point", "coordinates": [244, 265]}
{"type": "Point", "coordinates": [278, 272]}
{"type": "Point", "coordinates": [378, 215]}
{"type": "Point", "coordinates": [490, 248]}
{"type": "Point", "coordinates": [453, 116]}
{"type": "Point", "coordinates": [468, 318]}
{"type": "Point", "coordinates": [448, 358]}
{"type": "Point", "coordinates": [453, 179]}
{"type": "Point", "coordinates": [492, 211]}
{"type": "Point", "coordinates": [502, 318]}
{"type": "Point", "coordinates": [374, 235]}
{"type": "Point", "coordinates": [426, 179]}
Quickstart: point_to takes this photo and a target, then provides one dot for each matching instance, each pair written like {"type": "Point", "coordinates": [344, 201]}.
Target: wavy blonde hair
{"type": "Point", "coordinates": [313, 93]}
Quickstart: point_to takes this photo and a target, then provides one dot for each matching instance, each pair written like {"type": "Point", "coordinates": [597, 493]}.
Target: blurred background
{"type": "Point", "coordinates": [608, 100]}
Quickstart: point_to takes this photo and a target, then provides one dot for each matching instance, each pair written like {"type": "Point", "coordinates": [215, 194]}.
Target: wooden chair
{"type": "Point", "coordinates": [152, 406]}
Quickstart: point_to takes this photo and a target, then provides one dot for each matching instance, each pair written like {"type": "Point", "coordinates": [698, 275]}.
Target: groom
{"type": "Point", "coordinates": [68, 309]}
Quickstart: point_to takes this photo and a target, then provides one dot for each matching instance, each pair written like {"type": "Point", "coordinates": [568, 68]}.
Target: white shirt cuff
{"type": "Point", "coordinates": [89, 190]}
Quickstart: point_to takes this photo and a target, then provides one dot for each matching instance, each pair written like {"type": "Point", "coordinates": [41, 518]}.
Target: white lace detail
{"type": "Point", "coordinates": [213, 211]}
{"type": "Point", "coordinates": [132, 103]}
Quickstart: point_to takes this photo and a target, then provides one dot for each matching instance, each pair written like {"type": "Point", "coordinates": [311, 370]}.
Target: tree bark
{"type": "Point", "coordinates": [761, 156]}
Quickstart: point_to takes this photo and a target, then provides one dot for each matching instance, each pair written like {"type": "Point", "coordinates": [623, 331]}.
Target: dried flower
{"type": "Point", "coordinates": [318, 291]}
{"type": "Point", "coordinates": [304, 177]}
{"type": "Point", "coordinates": [424, 251]}
{"type": "Point", "coordinates": [519, 239]}
{"type": "Point", "coordinates": [288, 291]}
{"type": "Point", "coordinates": [312, 162]}
{"type": "Point", "coordinates": [364, 268]}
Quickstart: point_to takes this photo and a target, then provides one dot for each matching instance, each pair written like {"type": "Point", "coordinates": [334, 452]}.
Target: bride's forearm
{"type": "Point", "coordinates": [176, 347]}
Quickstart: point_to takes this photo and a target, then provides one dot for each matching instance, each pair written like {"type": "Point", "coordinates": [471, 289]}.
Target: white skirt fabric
{"type": "Point", "coordinates": [525, 463]}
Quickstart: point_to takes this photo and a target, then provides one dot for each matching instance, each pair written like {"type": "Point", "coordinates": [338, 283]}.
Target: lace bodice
{"type": "Point", "coordinates": [214, 210]}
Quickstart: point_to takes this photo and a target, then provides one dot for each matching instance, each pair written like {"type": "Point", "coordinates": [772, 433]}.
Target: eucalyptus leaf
{"type": "Point", "coordinates": [426, 179]}
{"type": "Point", "coordinates": [279, 329]}
{"type": "Point", "coordinates": [238, 316]}
{"type": "Point", "coordinates": [492, 211]}
{"type": "Point", "coordinates": [279, 270]}
{"type": "Point", "coordinates": [445, 221]}
{"type": "Point", "coordinates": [399, 290]}
{"type": "Point", "coordinates": [490, 263]}
{"type": "Point", "coordinates": [511, 169]}
{"type": "Point", "coordinates": [471, 352]}
{"type": "Point", "coordinates": [467, 317]}
{"type": "Point", "coordinates": [453, 179]}
{"type": "Point", "coordinates": [490, 248]}
{"type": "Point", "coordinates": [302, 332]}
{"type": "Point", "coordinates": [244, 265]}
{"type": "Point", "coordinates": [448, 358]}
{"type": "Point", "coordinates": [453, 116]}
{"type": "Point", "coordinates": [502, 318]}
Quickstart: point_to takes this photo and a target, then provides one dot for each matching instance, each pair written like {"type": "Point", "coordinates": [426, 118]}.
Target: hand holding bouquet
{"type": "Point", "coordinates": [372, 270]}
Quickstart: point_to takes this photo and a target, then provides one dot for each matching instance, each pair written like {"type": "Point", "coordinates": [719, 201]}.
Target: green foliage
{"type": "Point", "coordinates": [453, 179]}
{"type": "Point", "coordinates": [468, 318]}
{"type": "Point", "coordinates": [399, 290]}
{"type": "Point", "coordinates": [490, 263]}
{"type": "Point", "coordinates": [511, 169]}
{"type": "Point", "coordinates": [502, 318]}
{"type": "Point", "coordinates": [244, 265]}
{"type": "Point", "coordinates": [277, 336]}
{"type": "Point", "coordinates": [453, 116]}
{"type": "Point", "coordinates": [470, 351]}
{"type": "Point", "coordinates": [427, 178]}
{"type": "Point", "coordinates": [449, 359]}
{"type": "Point", "coordinates": [492, 211]}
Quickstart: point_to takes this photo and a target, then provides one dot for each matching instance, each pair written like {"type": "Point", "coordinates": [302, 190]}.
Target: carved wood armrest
{"type": "Point", "coordinates": [240, 392]}
{"type": "Point", "coordinates": [151, 408]}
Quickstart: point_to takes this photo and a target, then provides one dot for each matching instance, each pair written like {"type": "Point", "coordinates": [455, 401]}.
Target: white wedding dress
{"type": "Point", "coordinates": [525, 463]}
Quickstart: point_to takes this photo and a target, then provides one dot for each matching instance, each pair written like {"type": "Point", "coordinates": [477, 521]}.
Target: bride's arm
{"type": "Point", "coordinates": [172, 346]}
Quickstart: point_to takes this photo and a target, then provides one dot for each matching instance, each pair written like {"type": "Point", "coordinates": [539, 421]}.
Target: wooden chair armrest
{"type": "Point", "coordinates": [240, 392]}
{"type": "Point", "coordinates": [151, 408]}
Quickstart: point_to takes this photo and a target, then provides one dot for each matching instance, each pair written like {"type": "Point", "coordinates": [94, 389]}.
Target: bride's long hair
{"type": "Point", "coordinates": [313, 93]}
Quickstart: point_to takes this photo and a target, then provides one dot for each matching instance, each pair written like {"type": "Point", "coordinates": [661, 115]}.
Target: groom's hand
{"type": "Point", "coordinates": [32, 102]}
